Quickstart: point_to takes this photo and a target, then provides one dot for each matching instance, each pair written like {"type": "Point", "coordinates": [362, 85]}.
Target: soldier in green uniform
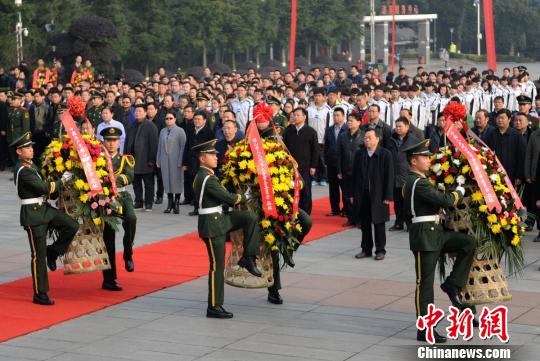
{"type": "Point", "coordinates": [213, 226]}
{"type": "Point", "coordinates": [202, 105]}
{"type": "Point", "coordinates": [427, 237]}
{"type": "Point", "coordinates": [303, 218]}
{"type": "Point", "coordinates": [38, 216]}
{"type": "Point", "coordinates": [279, 119]}
{"type": "Point", "coordinates": [18, 122]}
{"type": "Point", "coordinates": [94, 113]}
{"type": "Point", "coordinates": [123, 166]}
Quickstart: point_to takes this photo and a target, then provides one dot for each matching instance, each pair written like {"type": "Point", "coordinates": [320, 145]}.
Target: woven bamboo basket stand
{"type": "Point", "coordinates": [239, 277]}
{"type": "Point", "coordinates": [486, 282]}
{"type": "Point", "coordinates": [87, 251]}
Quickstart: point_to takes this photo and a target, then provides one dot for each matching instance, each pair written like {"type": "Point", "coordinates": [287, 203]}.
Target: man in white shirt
{"type": "Point", "coordinates": [242, 107]}
{"type": "Point", "coordinates": [108, 121]}
{"type": "Point", "coordinates": [320, 117]}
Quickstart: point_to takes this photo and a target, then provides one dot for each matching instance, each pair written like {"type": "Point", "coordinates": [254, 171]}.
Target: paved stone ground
{"type": "Point", "coordinates": [336, 307]}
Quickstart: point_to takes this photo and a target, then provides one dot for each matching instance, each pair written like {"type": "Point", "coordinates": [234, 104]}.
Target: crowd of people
{"type": "Point", "coordinates": [345, 127]}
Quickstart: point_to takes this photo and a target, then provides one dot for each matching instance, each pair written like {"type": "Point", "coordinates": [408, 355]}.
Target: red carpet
{"type": "Point", "coordinates": [159, 265]}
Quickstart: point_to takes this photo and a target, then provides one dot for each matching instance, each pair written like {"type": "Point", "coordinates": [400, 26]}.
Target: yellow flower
{"type": "Point", "coordinates": [279, 201]}
{"type": "Point", "coordinates": [516, 240]}
{"type": "Point", "coordinates": [288, 226]}
{"type": "Point", "coordinates": [242, 164]}
{"type": "Point", "coordinates": [265, 223]}
{"type": "Point", "coordinates": [445, 166]}
{"type": "Point", "coordinates": [269, 238]}
{"type": "Point", "coordinates": [106, 191]}
{"type": "Point", "coordinates": [465, 169]}
{"type": "Point", "coordinates": [477, 196]}
{"type": "Point", "coordinates": [492, 218]}
{"type": "Point", "coordinates": [86, 186]}
{"type": "Point", "coordinates": [68, 164]}
{"type": "Point", "coordinates": [274, 170]}
{"type": "Point", "coordinates": [275, 248]}
{"type": "Point", "coordinates": [432, 181]}
{"type": "Point", "coordinates": [245, 154]}
{"type": "Point", "coordinates": [515, 229]}
{"type": "Point", "coordinates": [449, 179]}
{"type": "Point", "coordinates": [251, 165]}
{"type": "Point", "coordinates": [504, 222]}
{"type": "Point", "coordinates": [448, 152]}
{"type": "Point", "coordinates": [58, 161]}
{"type": "Point", "coordinates": [100, 162]}
{"type": "Point", "coordinates": [270, 158]}
{"type": "Point", "coordinates": [483, 208]}
{"type": "Point", "coordinates": [120, 209]}
{"type": "Point", "coordinates": [83, 198]}
{"type": "Point", "coordinates": [60, 168]}
{"type": "Point", "coordinates": [514, 221]}
{"type": "Point", "coordinates": [496, 228]}
{"type": "Point", "coordinates": [97, 221]}
{"type": "Point", "coordinates": [79, 184]}
{"type": "Point", "coordinates": [298, 227]}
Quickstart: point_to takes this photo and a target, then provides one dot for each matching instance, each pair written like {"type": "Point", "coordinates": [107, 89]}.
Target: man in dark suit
{"type": "Point", "coordinates": [509, 146]}
{"type": "Point", "coordinates": [373, 180]}
{"type": "Point", "coordinates": [301, 140]}
{"type": "Point", "coordinates": [141, 142]}
{"type": "Point", "coordinates": [383, 130]}
{"type": "Point", "coordinates": [330, 157]}
{"type": "Point", "coordinates": [197, 132]}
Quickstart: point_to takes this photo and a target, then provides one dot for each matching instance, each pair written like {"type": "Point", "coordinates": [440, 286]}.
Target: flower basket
{"type": "Point", "coordinates": [86, 252]}
{"type": "Point", "coordinates": [486, 283]}
{"type": "Point", "coordinates": [237, 276]}
{"type": "Point", "coordinates": [498, 233]}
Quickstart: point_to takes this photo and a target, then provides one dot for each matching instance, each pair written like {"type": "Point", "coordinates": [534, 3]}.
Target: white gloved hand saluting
{"type": "Point", "coordinates": [66, 177]}
{"type": "Point", "coordinates": [247, 193]}
{"type": "Point", "coordinates": [461, 190]}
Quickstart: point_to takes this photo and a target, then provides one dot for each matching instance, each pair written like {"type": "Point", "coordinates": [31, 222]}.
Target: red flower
{"type": "Point", "coordinates": [444, 159]}
{"type": "Point", "coordinates": [76, 106]}
{"type": "Point", "coordinates": [453, 170]}
{"type": "Point", "coordinates": [455, 111]}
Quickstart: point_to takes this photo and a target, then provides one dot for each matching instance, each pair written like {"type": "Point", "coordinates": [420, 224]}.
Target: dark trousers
{"type": "Point", "coordinates": [348, 189]}
{"type": "Point", "coordinates": [305, 193]}
{"type": "Point", "coordinates": [37, 235]}
{"type": "Point", "coordinates": [306, 223]}
{"type": "Point", "coordinates": [188, 186]}
{"type": "Point", "coordinates": [320, 174]}
{"type": "Point", "coordinates": [42, 141]}
{"type": "Point", "coordinates": [215, 246]}
{"type": "Point", "coordinates": [463, 246]}
{"type": "Point", "coordinates": [529, 201]}
{"type": "Point", "coordinates": [148, 179]}
{"type": "Point", "coordinates": [129, 223]}
{"type": "Point", "coordinates": [367, 232]}
{"type": "Point", "coordinates": [398, 206]}
{"type": "Point", "coordinates": [335, 189]}
{"type": "Point", "coordinates": [4, 153]}
{"type": "Point", "coordinates": [159, 179]}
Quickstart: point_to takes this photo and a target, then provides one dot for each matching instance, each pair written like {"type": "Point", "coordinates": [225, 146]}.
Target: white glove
{"type": "Point", "coordinates": [66, 177]}
{"type": "Point", "coordinates": [247, 193]}
{"type": "Point", "coordinates": [461, 190]}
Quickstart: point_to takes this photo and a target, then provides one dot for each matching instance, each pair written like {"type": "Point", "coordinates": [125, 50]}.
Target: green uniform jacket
{"type": "Point", "coordinates": [280, 120]}
{"type": "Point", "coordinates": [215, 224]}
{"type": "Point", "coordinates": [428, 200]}
{"type": "Point", "coordinates": [123, 166]}
{"type": "Point", "coordinates": [94, 115]}
{"type": "Point", "coordinates": [30, 185]}
{"type": "Point", "coordinates": [18, 123]}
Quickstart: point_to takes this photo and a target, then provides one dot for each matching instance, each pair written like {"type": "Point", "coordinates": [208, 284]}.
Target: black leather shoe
{"type": "Point", "coordinates": [194, 213]}
{"type": "Point", "coordinates": [275, 298]}
{"type": "Point", "coordinates": [475, 323]}
{"type": "Point", "coordinates": [396, 227]}
{"type": "Point", "coordinates": [111, 286]}
{"type": "Point", "coordinates": [159, 200]}
{"type": "Point", "coordinates": [347, 224]}
{"type": "Point", "coordinates": [138, 205]}
{"type": "Point", "coordinates": [130, 266]}
{"type": "Point", "coordinates": [290, 262]}
{"type": "Point", "coordinates": [453, 295]}
{"type": "Point", "coordinates": [332, 214]}
{"type": "Point", "coordinates": [249, 264]}
{"type": "Point", "coordinates": [218, 312]}
{"type": "Point", "coordinates": [362, 255]}
{"type": "Point", "coordinates": [51, 258]}
{"type": "Point", "coordinates": [421, 336]}
{"type": "Point", "coordinates": [185, 202]}
{"type": "Point", "coordinates": [42, 299]}
{"type": "Point", "coordinates": [379, 256]}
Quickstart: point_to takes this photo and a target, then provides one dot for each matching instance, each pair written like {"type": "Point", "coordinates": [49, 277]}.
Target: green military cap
{"type": "Point", "coordinates": [111, 133]}
{"type": "Point", "coordinates": [98, 94]}
{"type": "Point", "coordinates": [17, 94]}
{"type": "Point", "coordinates": [421, 148]}
{"type": "Point", "coordinates": [523, 99]}
{"type": "Point", "coordinates": [273, 100]}
{"type": "Point", "coordinates": [201, 95]}
{"type": "Point", "coordinates": [23, 141]}
{"type": "Point", "coordinates": [206, 147]}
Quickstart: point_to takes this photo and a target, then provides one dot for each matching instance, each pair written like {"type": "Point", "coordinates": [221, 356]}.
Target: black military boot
{"type": "Point", "coordinates": [274, 297]}
{"type": "Point", "coordinates": [218, 312]}
{"type": "Point", "coordinates": [250, 265]}
{"type": "Point", "coordinates": [421, 336]}
{"type": "Point", "coordinates": [42, 298]}
{"type": "Point", "coordinates": [51, 258]}
{"type": "Point", "coordinates": [111, 286]}
{"type": "Point", "coordinates": [176, 205]}
{"type": "Point", "coordinates": [453, 294]}
{"type": "Point", "coordinates": [170, 205]}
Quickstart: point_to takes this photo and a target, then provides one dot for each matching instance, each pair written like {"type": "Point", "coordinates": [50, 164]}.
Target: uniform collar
{"type": "Point", "coordinates": [421, 175]}
{"type": "Point", "coordinates": [208, 169]}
